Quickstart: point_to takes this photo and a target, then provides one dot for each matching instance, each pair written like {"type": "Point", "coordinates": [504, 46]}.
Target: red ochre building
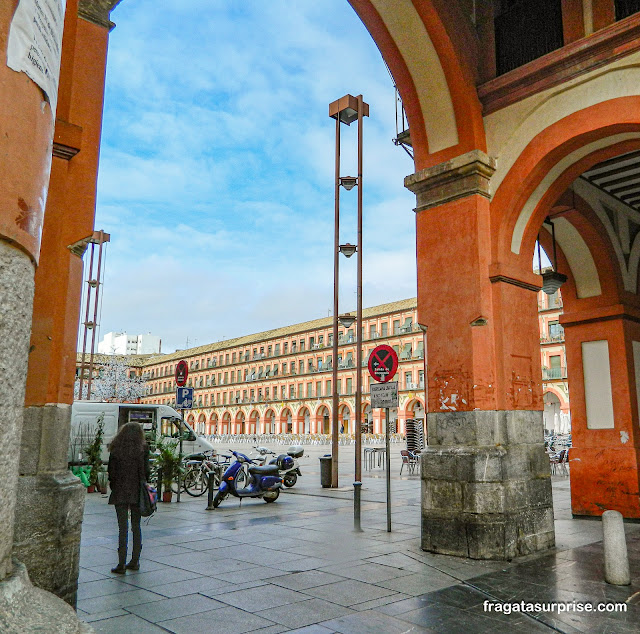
{"type": "Point", "coordinates": [555, 384]}
{"type": "Point", "coordinates": [280, 381]}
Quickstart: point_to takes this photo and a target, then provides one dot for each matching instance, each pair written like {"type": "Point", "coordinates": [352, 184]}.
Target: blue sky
{"type": "Point", "coordinates": [216, 168]}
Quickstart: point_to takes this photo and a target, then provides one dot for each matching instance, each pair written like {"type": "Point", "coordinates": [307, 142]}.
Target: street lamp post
{"type": "Point", "coordinates": [347, 110]}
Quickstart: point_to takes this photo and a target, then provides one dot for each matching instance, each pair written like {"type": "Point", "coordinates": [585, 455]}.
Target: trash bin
{"type": "Point", "coordinates": [325, 470]}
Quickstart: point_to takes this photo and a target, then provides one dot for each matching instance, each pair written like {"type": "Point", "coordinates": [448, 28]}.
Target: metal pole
{"type": "Point", "coordinates": [210, 478]}
{"type": "Point", "coordinates": [95, 313]}
{"type": "Point", "coordinates": [358, 466]}
{"type": "Point", "coordinates": [388, 465]}
{"type": "Point", "coordinates": [336, 255]}
{"type": "Point", "coordinates": [180, 455]}
{"type": "Point", "coordinates": [86, 319]}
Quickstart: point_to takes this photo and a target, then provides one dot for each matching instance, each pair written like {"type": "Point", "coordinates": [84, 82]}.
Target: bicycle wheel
{"type": "Point", "coordinates": [195, 482]}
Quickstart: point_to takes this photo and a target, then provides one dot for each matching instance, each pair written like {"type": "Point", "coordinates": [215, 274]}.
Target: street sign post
{"type": "Point", "coordinates": [182, 372]}
{"type": "Point", "coordinates": [184, 400]}
{"type": "Point", "coordinates": [383, 363]}
{"type": "Point", "coordinates": [384, 394]}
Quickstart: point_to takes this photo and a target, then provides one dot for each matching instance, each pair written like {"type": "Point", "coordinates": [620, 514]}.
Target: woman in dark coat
{"type": "Point", "coordinates": [128, 465]}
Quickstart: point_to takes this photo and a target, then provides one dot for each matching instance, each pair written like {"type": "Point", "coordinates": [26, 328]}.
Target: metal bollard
{"type": "Point", "coordinates": [210, 479]}
{"type": "Point", "coordinates": [357, 488]}
{"type": "Point", "coordinates": [616, 561]}
{"type": "Point", "coordinates": [159, 485]}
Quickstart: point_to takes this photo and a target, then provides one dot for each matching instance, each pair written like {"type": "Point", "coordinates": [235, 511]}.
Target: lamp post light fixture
{"type": "Point", "coordinates": [551, 280]}
{"type": "Point", "coordinates": [347, 249]}
{"type": "Point", "coordinates": [348, 182]}
{"type": "Point", "coordinates": [346, 320]}
{"type": "Point", "coordinates": [347, 110]}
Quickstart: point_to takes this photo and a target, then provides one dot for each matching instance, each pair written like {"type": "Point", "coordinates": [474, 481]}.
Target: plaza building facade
{"type": "Point", "coordinates": [280, 381]}
{"type": "Point", "coordinates": [555, 384]}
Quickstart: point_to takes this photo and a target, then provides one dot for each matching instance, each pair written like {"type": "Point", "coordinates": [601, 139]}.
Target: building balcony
{"type": "Point", "coordinates": [557, 338]}
{"type": "Point", "coordinates": [549, 374]}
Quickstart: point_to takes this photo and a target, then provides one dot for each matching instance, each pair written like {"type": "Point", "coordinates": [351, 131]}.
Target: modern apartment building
{"type": "Point", "coordinates": [121, 343]}
{"type": "Point", "coordinates": [280, 381]}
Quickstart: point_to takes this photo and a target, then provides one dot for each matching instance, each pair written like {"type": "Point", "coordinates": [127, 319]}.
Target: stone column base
{"type": "Point", "coordinates": [491, 497]}
{"type": "Point", "coordinates": [48, 515]}
{"type": "Point", "coordinates": [25, 608]}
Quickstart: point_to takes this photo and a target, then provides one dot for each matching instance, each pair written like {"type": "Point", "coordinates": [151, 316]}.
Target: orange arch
{"type": "Point", "coordinates": [542, 154]}
{"type": "Point", "coordinates": [449, 39]}
{"type": "Point", "coordinates": [561, 397]}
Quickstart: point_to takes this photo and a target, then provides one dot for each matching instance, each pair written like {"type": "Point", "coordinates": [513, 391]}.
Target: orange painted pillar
{"type": "Point", "coordinates": [603, 357]}
{"type": "Point", "coordinates": [25, 147]}
{"type": "Point", "coordinates": [484, 375]}
{"type": "Point", "coordinates": [378, 421]}
{"type": "Point", "coordinates": [298, 424]}
{"type": "Point", "coordinates": [315, 423]}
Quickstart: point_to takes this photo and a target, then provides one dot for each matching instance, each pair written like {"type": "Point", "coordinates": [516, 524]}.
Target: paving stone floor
{"type": "Point", "coordinates": [297, 565]}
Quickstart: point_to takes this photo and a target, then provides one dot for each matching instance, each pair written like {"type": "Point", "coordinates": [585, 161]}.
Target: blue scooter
{"type": "Point", "coordinates": [264, 482]}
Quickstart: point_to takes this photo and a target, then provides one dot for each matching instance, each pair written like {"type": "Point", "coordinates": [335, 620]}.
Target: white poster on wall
{"type": "Point", "coordinates": [35, 44]}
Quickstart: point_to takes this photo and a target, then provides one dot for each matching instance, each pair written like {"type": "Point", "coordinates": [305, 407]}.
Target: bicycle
{"type": "Point", "coordinates": [198, 472]}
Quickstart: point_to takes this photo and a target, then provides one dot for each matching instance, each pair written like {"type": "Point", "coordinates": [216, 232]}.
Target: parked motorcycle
{"type": "Point", "coordinates": [264, 481]}
{"type": "Point", "coordinates": [288, 465]}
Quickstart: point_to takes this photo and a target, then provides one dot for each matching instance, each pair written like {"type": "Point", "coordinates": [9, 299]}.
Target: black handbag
{"type": "Point", "coordinates": [147, 499]}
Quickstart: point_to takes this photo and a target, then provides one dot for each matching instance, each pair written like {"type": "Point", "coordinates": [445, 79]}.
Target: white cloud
{"type": "Point", "coordinates": [216, 173]}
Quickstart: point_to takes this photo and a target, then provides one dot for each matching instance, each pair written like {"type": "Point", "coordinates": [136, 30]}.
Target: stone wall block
{"type": "Point", "coordinates": [25, 608]}
{"type": "Point", "coordinates": [436, 464]}
{"type": "Point", "coordinates": [524, 427]}
{"type": "Point", "coordinates": [48, 529]}
{"type": "Point", "coordinates": [516, 463]}
{"type": "Point", "coordinates": [451, 429]}
{"type": "Point", "coordinates": [486, 537]}
{"type": "Point", "coordinates": [490, 428]}
{"type": "Point", "coordinates": [30, 445]}
{"type": "Point", "coordinates": [446, 534]}
{"type": "Point", "coordinates": [483, 497]}
{"type": "Point", "coordinates": [530, 531]}
{"type": "Point", "coordinates": [515, 494]}
{"type": "Point", "coordinates": [488, 464]}
{"type": "Point", "coordinates": [539, 461]}
{"type": "Point", "coordinates": [476, 428]}
{"type": "Point", "coordinates": [441, 495]}
{"type": "Point", "coordinates": [45, 439]}
{"type": "Point", "coordinates": [539, 492]}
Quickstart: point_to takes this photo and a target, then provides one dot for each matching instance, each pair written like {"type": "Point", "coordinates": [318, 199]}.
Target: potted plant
{"type": "Point", "coordinates": [169, 461]}
{"type": "Point", "coordinates": [94, 455]}
{"type": "Point", "coordinates": [103, 480]}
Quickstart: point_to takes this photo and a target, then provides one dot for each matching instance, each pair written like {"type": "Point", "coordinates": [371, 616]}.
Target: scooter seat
{"type": "Point", "coordinates": [264, 471]}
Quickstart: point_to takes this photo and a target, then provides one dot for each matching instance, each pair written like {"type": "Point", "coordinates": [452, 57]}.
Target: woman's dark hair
{"type": "Point", "coordinates": [130, 438]}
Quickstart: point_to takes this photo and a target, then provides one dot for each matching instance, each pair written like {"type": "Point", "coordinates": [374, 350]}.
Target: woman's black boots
{"type": "Point", "coordinates": [120, 569]}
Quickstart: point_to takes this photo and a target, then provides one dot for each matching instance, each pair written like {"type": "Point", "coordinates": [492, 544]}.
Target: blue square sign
{"type": "Point", "coordinates": [184, 398]}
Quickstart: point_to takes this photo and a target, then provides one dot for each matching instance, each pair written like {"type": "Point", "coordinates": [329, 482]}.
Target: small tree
{"type": "Point", "coordinates": [94, 452]}
{"type": "Point", "coordinates": [114, 383]}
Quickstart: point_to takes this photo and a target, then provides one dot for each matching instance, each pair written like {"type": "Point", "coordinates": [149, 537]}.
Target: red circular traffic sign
{"type": "Point", "coordinates": [182, 372]}
{"type": "Point", "coordinates": [383, 363]}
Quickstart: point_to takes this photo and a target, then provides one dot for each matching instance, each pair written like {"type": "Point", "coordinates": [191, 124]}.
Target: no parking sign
{"type": "Point", "coordinates": [383, 363]}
